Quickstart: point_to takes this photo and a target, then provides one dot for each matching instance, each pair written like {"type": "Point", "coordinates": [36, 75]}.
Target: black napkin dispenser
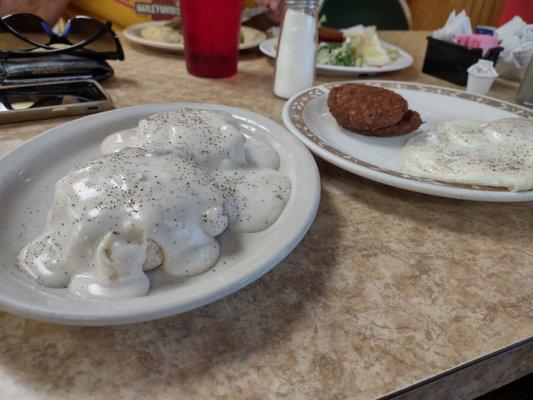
{"type": "Point", "coordinates": [450, 61]}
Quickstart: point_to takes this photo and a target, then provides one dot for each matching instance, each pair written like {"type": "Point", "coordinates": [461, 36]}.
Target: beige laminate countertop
{"type": "Point", "coordinates": [387, 289]}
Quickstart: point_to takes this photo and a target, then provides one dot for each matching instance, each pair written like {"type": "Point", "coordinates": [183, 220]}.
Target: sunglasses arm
{"type": "Point", "coordinates": [106, 27]}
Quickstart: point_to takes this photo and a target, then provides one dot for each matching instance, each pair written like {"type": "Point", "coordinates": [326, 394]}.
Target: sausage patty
{"type": "Point", "coordinates": [365, 108]}
{"type": "Point", "coordinates": [410, 122]}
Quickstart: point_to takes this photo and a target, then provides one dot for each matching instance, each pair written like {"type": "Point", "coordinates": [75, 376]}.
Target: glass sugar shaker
{"type": "Point", "coordinates": [295, 60]}
{"type": "Point", "coordinates": [525, 91]}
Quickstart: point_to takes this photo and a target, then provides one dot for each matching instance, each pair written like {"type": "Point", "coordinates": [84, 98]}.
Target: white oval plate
{"type": "Point", "coordinates": [27, 178]}
{"type": "Point", "coordinates": [307, 116]}
{"type": "Point", "coordinates": [252, 38]}
{"type": "Point", "coordinates": [404, 61]}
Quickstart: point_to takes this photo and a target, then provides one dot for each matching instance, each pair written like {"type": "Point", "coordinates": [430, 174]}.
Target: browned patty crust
{"type": "Point", "coordinates": [365, 108]}
{"type": "Point", "coordinates": [410, 122]}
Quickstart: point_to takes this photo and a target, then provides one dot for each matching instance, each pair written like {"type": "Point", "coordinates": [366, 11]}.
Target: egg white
{"type": "Point", "coordinates": [498, 153]}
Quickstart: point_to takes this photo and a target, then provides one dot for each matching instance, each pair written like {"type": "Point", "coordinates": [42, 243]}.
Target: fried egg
{"type": "Point", "coordinates": [497, 154]}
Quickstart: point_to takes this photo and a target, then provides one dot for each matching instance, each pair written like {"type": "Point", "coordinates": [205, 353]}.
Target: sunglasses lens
{"type": "Point", "coordinates": [82, 29]}
{"type": "Point", "coordinates": [9, 42]}
{"type": "Point", "coordinates": [28, 25]}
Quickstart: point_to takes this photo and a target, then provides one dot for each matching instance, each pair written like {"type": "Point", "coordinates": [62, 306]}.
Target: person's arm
{"type": "Point", "coordinates": [49, 10]}
{"type": "Point", "coordinates": [272, 4]}
{"type": "Point", "coordinates": [276, 9]}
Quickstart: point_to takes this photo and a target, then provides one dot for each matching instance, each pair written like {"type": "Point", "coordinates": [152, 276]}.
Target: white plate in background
{"type": "Point", "coordinates": [404, 61]}
{"type": "Point", "coordinates": [252, 38]}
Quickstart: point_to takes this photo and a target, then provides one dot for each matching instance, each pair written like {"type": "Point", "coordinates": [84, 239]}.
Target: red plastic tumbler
{"type": "Point", "coordinates": [211, 34]}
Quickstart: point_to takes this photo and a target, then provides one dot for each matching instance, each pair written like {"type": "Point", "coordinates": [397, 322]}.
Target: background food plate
{"type": "Point", "coordinates": [252, 38]}
{"type": "Point", "coordinates": [27, 178]}
{"type": "Point", "coordinates": [307, 116]}
{"type": "Point", "coordinates": [404, 61]}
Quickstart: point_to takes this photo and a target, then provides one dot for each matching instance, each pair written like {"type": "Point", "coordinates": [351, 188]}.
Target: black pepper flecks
{"type": "Point", "coordinates": [188, 163]}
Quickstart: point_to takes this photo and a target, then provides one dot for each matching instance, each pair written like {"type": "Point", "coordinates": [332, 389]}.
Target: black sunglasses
{"type": "Point", "coordinates": [28, 35]}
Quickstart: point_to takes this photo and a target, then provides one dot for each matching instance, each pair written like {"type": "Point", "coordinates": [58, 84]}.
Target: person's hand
{"type": "Point", "coordinates": [271, 4]}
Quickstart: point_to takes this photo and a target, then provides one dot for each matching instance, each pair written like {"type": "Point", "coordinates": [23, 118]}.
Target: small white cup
{"type": "Point", "coordinates": [480, 77]}
{"type": "Point", "coordinates": [479, 84]}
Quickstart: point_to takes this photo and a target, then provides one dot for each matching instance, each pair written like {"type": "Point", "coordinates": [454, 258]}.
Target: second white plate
{"type": "Point", "coordinates": [308, 117]}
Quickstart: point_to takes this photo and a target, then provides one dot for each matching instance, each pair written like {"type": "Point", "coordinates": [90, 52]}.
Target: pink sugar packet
{"type": "Point", "coordinates": [478, 41]}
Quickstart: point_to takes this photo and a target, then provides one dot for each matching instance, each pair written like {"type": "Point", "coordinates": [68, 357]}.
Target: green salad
{"type": "Point", "coordinates": [361, 47]}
